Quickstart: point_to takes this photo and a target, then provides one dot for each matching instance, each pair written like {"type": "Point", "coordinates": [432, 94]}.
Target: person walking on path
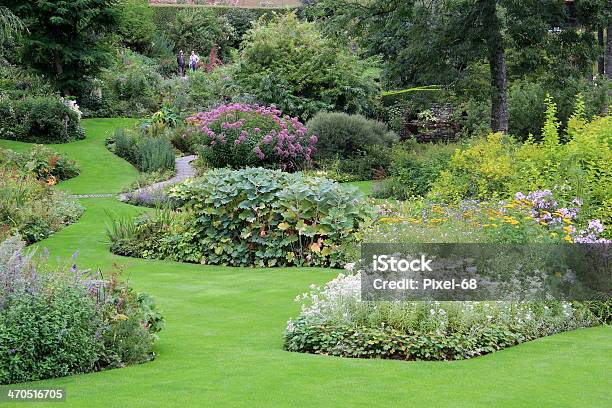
{"type": "Point", "coordinates": [180, 60]}
{"type": "Point", "coordinates": [193, 61]}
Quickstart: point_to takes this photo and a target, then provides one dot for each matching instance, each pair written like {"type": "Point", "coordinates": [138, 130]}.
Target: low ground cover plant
{"type": "Point", "coordinates": [334, 321]}
{"type": "Point", "coordinates": [241, 135]}
{"type": "Point", "coordinates": [43, 119]}
{"type": "Point", "coordinates": [33, 208]}
{"type": "Point", "coordinates": [42, 162]}
{"type": "Point", "coordinates": [64, 321]}
{"type": "Point", "coordinates": [249, 217]}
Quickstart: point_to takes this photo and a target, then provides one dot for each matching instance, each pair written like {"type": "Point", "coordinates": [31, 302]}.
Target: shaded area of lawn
{"type": "Point", "coordinates": [222, 345]}
{"type": "Point", "coordinates": [101, 171]}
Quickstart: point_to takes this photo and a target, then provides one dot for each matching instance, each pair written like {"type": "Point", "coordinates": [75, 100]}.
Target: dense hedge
{"type": "Point", "coordinates": [39, 120]}
{"type": "Point", "coordinates": [249, 217]}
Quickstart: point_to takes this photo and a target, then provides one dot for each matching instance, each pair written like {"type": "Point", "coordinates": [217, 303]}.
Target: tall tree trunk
{"type": "Point", "coordinates": [601, 59]}
{"type": "Point", "coordinates": [497, 65]}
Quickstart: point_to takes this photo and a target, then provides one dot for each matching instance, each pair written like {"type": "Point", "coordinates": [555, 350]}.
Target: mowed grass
{"type": "Point", "coordinates": [101, 171]}
{"type": "Point", "coordinates": [222, 347]}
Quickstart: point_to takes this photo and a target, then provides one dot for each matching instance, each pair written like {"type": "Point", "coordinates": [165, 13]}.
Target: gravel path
{"type": "Point", "coordinates": [184, 170]}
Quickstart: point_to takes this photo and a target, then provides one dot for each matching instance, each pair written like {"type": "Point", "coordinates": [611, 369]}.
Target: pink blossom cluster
{"type": "Point", "coordinates": [274, 137]}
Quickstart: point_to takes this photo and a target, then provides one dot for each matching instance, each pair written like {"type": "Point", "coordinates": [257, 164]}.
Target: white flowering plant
{"type": "Point", "coordinates": [335, 321]}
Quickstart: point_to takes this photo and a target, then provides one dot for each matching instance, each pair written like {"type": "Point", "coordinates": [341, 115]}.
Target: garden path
{"type": "Point", "coordinates": [184, 170]}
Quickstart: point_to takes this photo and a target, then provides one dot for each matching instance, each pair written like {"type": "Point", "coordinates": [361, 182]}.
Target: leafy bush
{"type": "Point", "coordinates": [249, 217]}
{"type": "Point", "coordinates": [65, 321]}
{"type": "Point", "coordinates": [131, 87]}
{"type": "Point", "coordinates": [498, 167]}
{"type": "Point", "coordinates": [334, 321]}
{"type": "Point", "coordinates": [414, 169]}
{"type": "Point", "coordinates": [239, 135]}
{"type": "Point", "coordinates": [344, 135]}
{"type": "Point", "coordinates": [148, 154]}
{"type": "Point", "coordinates": [290, 64]}
{"type": "Point", "coordinates": [41, 161]}
{"type": "Point", "coordinates": [39, 120]}
{"type": "Point", "coordinates": [32, 208]}
{"type": "Point", "coordinates": [196, 30]}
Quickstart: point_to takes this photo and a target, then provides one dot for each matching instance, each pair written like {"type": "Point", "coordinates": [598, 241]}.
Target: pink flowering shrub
{"type": "Point", "coordinates": [239, 135]}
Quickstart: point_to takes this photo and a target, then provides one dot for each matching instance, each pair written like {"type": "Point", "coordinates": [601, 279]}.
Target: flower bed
{"type": "Point", "coordinates": [240, 135]}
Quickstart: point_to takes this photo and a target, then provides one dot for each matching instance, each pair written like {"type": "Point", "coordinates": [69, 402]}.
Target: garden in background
{"type": "Point", "coordinates": [185, 188]}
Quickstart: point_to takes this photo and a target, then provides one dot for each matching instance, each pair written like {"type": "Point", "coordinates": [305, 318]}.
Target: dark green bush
{"type": "Point", "coordinates": [414, 169]}
{"type": "Point", "coordinates": [249, 217]}
{"type": "Point", "coordinates": [290, 64]}
{"type": "Point", "coordinates": [344, 135]}
{"type": "Point", "coordinates": [39, 120]}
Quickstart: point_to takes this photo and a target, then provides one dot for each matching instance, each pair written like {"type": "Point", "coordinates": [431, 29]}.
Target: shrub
{"type": "Point", "coordinates": [334, 321]}
{"type": "Point", "coordinates": [498, 167]}
{"type": "Point", "coordinates": [32, 208]}
{"type": "Point", "coordinates": [148, 154]}
{"type": "Point", "coordinates": [341, 134]}
{"type": "Point", "coordinates": [290, 64]}
{"type": "Point", "coordinates": [196, 30]}
{"type": "Point", "coordinates": [249, 217]}
{"type": "Point", "coordinates": [155, 155]}
{"type": "Point", "coordinates": [42, 162]}
{"type": "Point", "coordinates": [239, 135]}
{"type": "Point", "coordinates": [414, 169]}
{"type": "Point", "coordinates": [131, 87]}
{"type": "Point", "coordinates": [526, 108]}
{"type": "Point", "coordinates": [63, 321]}
{"type": "Point", "coordinates": [39, 120]}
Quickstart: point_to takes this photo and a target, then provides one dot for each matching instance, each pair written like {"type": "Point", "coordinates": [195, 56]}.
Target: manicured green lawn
{"type": "Point", "coordinates": [222, 345]}
{"type": "Point", "coordinates": [101, 171]}
{"type": "Point", "coordinates": [364, 186]}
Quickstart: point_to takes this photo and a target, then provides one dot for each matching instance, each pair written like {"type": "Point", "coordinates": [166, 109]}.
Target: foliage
{"type": "Point", "coordinates": [196, 30]}
{"type": "Point", "coordinates": [39, 120]}
{"type": "Point", "coordinates": [147, 153]}
{"type": "Point", "coordinates": [269, 218]}
{"type": "Point", "coordinates": [130, 87]}
{"type": "Point", "coordinates": [498, 167]}
{"type": "Point", "coordinates": [10, 24]}
{"type": "Point", "coordinates": [33, 208]}
{"type": "Point", "coordinates": [240, 135]}
{"type": "Point", "coordinates": [344, 135]}
{"type": "Point", "coordinates": [290, 64]}
{"type": "Point", "coordinates": [63, 321]}
{"type": "Point", "coordinates": [42, 162]}
{"type": "Point", "coordinates": [17, 83]}
{"type": "Point", "coordinates": [135, 26]}
{"type": "Point", "coordinates": [334, 321]}
{"type": "Point", "coordinates": [56, 43]}
{"type": "Point", "coordinates": [414, 169]}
